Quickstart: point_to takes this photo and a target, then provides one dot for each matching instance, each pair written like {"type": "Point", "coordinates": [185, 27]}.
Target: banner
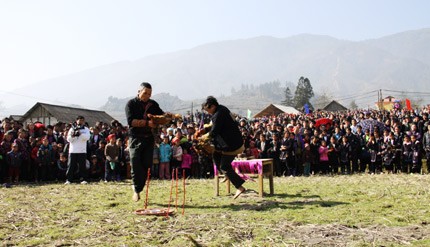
{"type": "Point", "coordinates": [249, 114]}
{"type": "Point", "coordinates": [408, 105]}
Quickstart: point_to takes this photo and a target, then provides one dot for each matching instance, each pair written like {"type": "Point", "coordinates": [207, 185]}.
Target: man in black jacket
{"type": "Point", "coordinates": [141, 139]}
{"type": "Point", "coordinates": [426, 147]}
{"type": "Point", "coordinates": [227, 139]}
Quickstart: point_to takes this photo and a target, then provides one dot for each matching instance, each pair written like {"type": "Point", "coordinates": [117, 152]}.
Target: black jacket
{"type": "Point", "coordinates": [225, 130]}
{"type": "Point", "coordinates": [137, 109]}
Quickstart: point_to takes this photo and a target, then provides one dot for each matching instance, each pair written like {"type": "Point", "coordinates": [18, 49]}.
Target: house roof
{"type": "Point", "coordinates": [69, 114]}
{"type": "Point", "coordinates": [275, 109]}
{"type": "Point", "coordinates": [335, 106]}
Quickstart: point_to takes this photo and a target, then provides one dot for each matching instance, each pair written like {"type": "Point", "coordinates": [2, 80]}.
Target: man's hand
{"type": "Point", "coordinates": [199, 133]}
{"type": "Point", "coordinates": [143, 123]}
{"type": "Point", "coordinates": [204, 137]}
{"type": "Point", "coordinates": [151, 124]}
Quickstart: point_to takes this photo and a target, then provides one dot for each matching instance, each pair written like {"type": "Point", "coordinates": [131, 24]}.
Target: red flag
{"type": "Point", "coordinates": [408, 104]}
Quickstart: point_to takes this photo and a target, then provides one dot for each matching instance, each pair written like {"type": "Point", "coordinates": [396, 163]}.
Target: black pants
{"type": "Point", "coordinates": [141, 158]}
{"type": "Point", "coordinates": [3, 170]}
{"type": "Point", "coordinates": [224, 162]}
{"type": "Point", "coordinates": [291, 165]}
{"type": "Point", "coordinates": [112, 174]}
{"type": "Point", "coordinates": [77, 164]}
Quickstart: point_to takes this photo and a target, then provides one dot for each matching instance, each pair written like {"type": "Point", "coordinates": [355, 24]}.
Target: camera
{"type": "Point", "coordinates": [76, 130]}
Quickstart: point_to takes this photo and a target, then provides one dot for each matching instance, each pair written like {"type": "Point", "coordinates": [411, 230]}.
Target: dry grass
{"type": "Point", "coordinates": [359, 210]}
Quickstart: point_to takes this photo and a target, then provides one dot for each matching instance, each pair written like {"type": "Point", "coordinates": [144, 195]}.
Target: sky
{"type": "Point", "coordinates": [44, 39]}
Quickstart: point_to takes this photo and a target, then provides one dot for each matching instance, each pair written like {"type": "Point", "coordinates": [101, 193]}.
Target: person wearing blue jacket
{"type": "Point", "coordinates": [165, 157]}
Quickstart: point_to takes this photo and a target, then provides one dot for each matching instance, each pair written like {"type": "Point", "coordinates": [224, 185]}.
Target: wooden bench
{"type": "Point", "coordinates": [249, 168]}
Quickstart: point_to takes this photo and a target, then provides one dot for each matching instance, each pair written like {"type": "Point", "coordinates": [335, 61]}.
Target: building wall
{"type": "Point", "coordinates": [40, 114]}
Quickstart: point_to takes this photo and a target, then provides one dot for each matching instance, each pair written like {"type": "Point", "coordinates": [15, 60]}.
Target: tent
{"type": "Point", "coordinates": [274, 109]}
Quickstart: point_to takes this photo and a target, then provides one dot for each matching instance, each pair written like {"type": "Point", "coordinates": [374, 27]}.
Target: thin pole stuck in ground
{"type": "Point", "coordinates": [148, 177]}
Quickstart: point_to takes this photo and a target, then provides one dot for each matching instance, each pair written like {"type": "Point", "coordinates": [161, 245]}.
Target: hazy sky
{"type": "Point", "coordinates": [41, 39]}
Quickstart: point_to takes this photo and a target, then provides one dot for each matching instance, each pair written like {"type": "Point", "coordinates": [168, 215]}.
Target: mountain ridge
{"type": "Point", "coordinates": [339, 66]}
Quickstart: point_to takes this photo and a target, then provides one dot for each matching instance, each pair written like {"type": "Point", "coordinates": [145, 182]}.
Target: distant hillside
{"type": "Point", "coordinates": [398, 62]}
{"type": "Point", "coordinates": [254, 98]}
{"type": "Point", "coordinates": [411, 44]}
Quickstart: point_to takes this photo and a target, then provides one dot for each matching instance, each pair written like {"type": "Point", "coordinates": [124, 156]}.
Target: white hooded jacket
{"type": "Point", "coordinates": [78, 144]}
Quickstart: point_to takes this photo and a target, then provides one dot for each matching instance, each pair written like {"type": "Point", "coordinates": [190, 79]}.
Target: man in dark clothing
{"type": "Point", "coordinates": [263, 146]}
{"type": "Point", "coordinates": [227, 139]}
{"type": "Point", "coordinates": [355, 147]}
{"type": "Point", "coordinates": [141, 139]}
{"type": "Point", "coordinates": [426, 147]}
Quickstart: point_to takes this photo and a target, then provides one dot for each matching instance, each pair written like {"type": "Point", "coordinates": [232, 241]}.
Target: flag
{"type": "Point", "coordinates": [306, 108]}
{"type": "Point", "coordinates": [248, 114]}
{"type": "Point", "coordinates": [408, 104]}
{"type": "Point", "coordinates": [202, 121]}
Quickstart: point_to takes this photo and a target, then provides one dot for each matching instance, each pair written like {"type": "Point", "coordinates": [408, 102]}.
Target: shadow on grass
{"type": "Point", "coordinates": [251, 201]}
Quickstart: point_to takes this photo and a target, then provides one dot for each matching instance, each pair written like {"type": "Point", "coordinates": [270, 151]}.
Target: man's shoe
{"type": "Point", "coordinates": [84, 182]}
{"type": "Point", "coordinates": [136, 197]}
{"type": "Point", "coordinates": [239, 192]}
{"type": "Point", "coordinates": [67, 182]}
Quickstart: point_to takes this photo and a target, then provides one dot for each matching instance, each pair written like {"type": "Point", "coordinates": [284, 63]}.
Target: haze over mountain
{"type": "Point", "coordinates": [398, 62]}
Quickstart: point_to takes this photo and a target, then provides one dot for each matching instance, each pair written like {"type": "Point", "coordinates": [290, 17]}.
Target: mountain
{"type": "Point", "coordinates": [397, 62]}
{"type": "Point", "coordinates": [410, 44]}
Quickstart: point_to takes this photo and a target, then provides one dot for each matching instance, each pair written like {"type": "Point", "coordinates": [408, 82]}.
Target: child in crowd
{"type": "Point", "coordinates": [62, 167]}
{"type": "Point", "coordinates": [416, 155]}
{"type": "Point", "coordinates": [176, 156]}
{"type": "Point", "coordinates": [195, 167]}
{"type": "Point", "coordinates": [307, 159]}
{"type": "Point", "coordinates": [122, 158]}
{"type": "Point", "coordinates": [345, 156]}
{"type": "Point", "coordinates": [100, 154]}
{"type": "Point", "coordinates": [5, 147]}
{"type": "Point", "coordinates": [323, 154]}
{"type": "Point", "coordinates": [45, 156]}
{"type": "Point", "coordinates": [388, 157]}
{"type": "Point", "coordinates": [407, 154]}
{"type": "Point", "coordinates": [111, 164]}
{"type": "Point", "coordinates": [34, 164]}
{"type": "Point", "coordinates": [186, 163]}
{"type": "Point", "coordinates": [155, 159]}
{"type": "Point", "coordinates": [333, 156]}
{"type": "Point", "coordinates": [253, 150]}
{"type": "Point", "coordinates": [374, 150]}
{"type": "Point", "coordinates": [165, 158]}
{"type": "Point", "coordinates": [95, 168]}
{"type": "Point", "coordinates": [14, 160]}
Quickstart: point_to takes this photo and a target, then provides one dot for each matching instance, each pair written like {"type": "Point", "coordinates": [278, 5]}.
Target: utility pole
{"type": "Point", "coordinates": [378, 101]}
{"type": "Point", "coordinates": [192, 113]}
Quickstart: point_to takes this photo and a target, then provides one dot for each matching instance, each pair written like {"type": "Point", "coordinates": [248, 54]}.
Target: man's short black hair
{"type": "Point", "coordinates": [146, 85]}
{"type": "Point", "coordinates": [210, 101]}
{"type": "Point", "coordinates": [80, 117]}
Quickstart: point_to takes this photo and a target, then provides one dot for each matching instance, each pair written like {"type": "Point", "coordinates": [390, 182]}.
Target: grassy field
{"type": "Point", "coordinates": [358, 210]}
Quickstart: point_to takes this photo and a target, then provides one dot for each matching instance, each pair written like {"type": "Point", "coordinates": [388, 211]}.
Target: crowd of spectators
{"type": "Point", "coordinates": [296, 143]}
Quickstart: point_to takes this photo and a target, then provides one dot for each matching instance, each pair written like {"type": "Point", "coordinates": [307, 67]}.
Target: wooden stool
{"type": "Point", "coordinates": [249, 168]}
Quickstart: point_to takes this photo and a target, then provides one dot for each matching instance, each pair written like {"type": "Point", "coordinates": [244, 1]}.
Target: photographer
{"type": "Point", "coordinates": [77, 137]}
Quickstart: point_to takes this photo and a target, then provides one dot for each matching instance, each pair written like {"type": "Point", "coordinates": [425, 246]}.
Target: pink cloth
{"type": "Point", "coordinates": [254, 166]}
